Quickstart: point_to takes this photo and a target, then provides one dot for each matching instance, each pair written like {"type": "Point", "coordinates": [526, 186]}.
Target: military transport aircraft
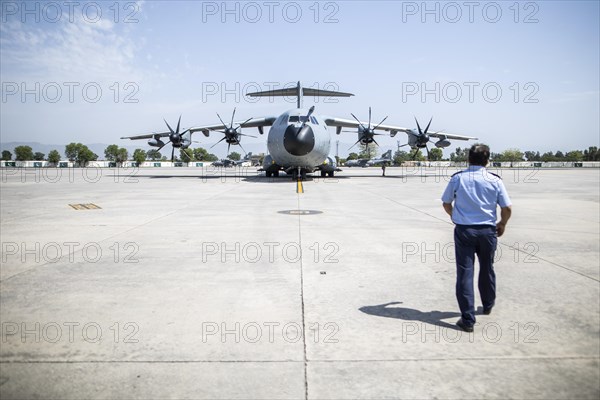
{"type": "Point", "coordinates": [298, 141]}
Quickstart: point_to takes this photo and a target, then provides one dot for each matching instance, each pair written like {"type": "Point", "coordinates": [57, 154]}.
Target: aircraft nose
{"type": "Point", "coordinates": [299, 141]}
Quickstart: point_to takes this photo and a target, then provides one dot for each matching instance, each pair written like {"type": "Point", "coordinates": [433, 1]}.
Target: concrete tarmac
{"type": "Point", "coordinates": [223, 284]}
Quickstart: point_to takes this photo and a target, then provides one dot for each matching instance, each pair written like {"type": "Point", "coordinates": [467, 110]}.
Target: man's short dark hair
{"type": "Point", "coordinates": [479, 154]}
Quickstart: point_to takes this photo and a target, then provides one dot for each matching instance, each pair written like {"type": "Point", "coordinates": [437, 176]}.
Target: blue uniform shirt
{"type": "Point", "coordinates": [476, 194]}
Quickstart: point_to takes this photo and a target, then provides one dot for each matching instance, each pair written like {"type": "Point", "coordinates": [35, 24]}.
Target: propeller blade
{"type": "Point", "coordinates": [418, 126]}
{"type": "Point", "coordinates": [172, 153]}
{"type": "Point", "coordinates": [369, 117]}
{"type": "Point", "coordinates": [162, 146]}
{"type": "Point", "coordinates": [377, 126]}
{"type": "Point", "coordinates": [240, 125]}
{"type": "Point", "coordinates": [375, 141]}
{"type": "Point", "coordinates": [427, 128]}
{"type": "Point", "coordinates": [243, 134]}
{"type": "Point", "coordinates": [232, 117]}
{"type": "Point", "coordinates": [168, 126]}
{"type": "Point", "coordinates": [245, 154]}
{"type": "Point", "coordinates": [221, 119]}
{"type": "Point", "coordinates": [354, 144]}
{"type": "Point", "coordinates": [361, 125]}
{"type": "Point", "coordinates": [427, 148]}
{"type": "Point", "coordinates": [228, 146]}
{"type": "Point", "coordinates": [415, 155]}
{"type": "Point", "coordinates": [218, 142]}
{"type": "Point", "coordinates": [178, 123]}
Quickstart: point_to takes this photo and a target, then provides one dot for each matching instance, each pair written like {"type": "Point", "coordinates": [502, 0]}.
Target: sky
{"type": "Point", "coordinates": [514, 74]}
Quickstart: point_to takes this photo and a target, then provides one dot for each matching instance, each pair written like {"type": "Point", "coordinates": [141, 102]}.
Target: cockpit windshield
{"type": "Point", "coordinates": [303, 118]}
{"type": "Point", "coordinates": [298, 118]}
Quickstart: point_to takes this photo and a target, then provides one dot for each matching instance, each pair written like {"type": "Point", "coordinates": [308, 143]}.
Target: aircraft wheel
{"type": "Point", "coordinates": [303, 175]}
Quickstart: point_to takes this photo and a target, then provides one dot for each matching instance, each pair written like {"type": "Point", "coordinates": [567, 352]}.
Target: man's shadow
{"type": "Point", "coordinates": [409, 314]}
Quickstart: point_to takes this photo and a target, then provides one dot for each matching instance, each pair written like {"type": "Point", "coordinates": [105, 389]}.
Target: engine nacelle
{"type": "Point", "coordinates": [442, 143]}
{"type": "Point", "coordinates": [155, 142]}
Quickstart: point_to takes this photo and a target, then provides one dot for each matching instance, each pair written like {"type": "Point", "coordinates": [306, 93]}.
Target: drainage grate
{"type": "Point", "coordinates": [87, 206]}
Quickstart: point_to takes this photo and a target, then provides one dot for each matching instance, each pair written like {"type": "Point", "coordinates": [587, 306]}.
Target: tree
{"type": "Point", "coordinates": [235, 156]}
{"type": "Point", "coordinates": [71, 151]}
{"type": "Point", "coordinates": [80, 154]}
{"type": "Point", "coordinates": [460, 155]}
{"type": "Point", "coordinates": [575, 155]}
{"type": "Point", "coordinates": [201, 154]}
{"type": "Point", "coordinates": [37, 156]}
{"type": "Point", "coordinates": [6, 155]}
{"type": "Point", "coordinates": [549, 156]}
{"type": "Point", "coordinates": [591, 154]}
{"type": "Point", "coordinates": [352, 156]}
{"type": "Point", "coordinates": [512, 155]}
{"type": "Point", "coordinates": [53, 157]}
{"type": "Point", "coordinates": [152, 154]}
{"type": "Point", "coordinates": [139, 156]}
{"type": "Point", "coordinates": [401, 156]}
{"type": "Point", "coordinates": [122, 155]}
{"type": "Point", "coordinates": [23, 153]}
{"type": "Point", "coordinates": [559, 156]}
{"type": "Point", "coordinates": [110, 153]}
{"type": "Point", "coordinates": [435, 154]}
{"type": "Point", "coordinates": [529, 155]}
{"type": "Point", "coordinates": [187, 155]}
{"type": "Point", "coordinates": [211, 157]}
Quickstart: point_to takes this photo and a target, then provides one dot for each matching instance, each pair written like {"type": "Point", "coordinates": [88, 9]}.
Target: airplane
{"type": "Point", "coordinates": [227, 162]}
{"type": "Point", "coordinates": [386, 159]}
{"type": "Point", "coordinates": [361, 162]}
{"type": "Point", "coordinates": [298, 140]}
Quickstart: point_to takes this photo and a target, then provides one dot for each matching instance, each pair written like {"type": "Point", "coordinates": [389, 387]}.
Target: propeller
{"type": "Point", "coordinates": [232, 135]}
{"type": "Point", "coordinates": [366, 134]}
{"type": "Point", "coordinates": [421, 139]}
{"type": "Point", "coordinates": [175, 138]}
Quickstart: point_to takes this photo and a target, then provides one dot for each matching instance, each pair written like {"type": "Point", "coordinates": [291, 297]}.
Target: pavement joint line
{"type": "Point", "coordinates": [434, 359]}
{"type": "Point", "coordinates": [114, 235]}
{"type": "Point", "coordinates": [302, 300]}
{"type": "Point", "coordinates": [500, 243]}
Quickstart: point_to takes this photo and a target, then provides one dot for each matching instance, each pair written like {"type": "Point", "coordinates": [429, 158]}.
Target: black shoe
{"type": "Point", "coordinates": [462, 325]}
{"type": "Point", "coordinates": [487, 311]}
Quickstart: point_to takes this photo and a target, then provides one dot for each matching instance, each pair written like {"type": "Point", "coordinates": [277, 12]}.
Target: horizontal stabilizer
{"type": "Point", "coordinates": [294, 91]}
{"type": "Point", "coordinates": [299, 92]}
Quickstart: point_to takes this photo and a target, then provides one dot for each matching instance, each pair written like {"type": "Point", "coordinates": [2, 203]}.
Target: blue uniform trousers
{"type": "Point", "coordinates": [468, 241]}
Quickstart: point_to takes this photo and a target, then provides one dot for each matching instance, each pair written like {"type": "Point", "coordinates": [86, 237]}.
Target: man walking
{"type": "Point", "coordinates": [476, 193]}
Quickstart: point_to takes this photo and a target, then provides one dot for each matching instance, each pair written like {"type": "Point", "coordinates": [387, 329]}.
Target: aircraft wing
{"type": "Point", "coordinates": [251, 123]}
{"type": "Point", "coordinates": [147, 136]}
{"type": "Point", "coordinates": [392, 129]}
{"type": "Point", "coordinates": [205, 129]}
{"type": "Point", "coordinates": [350, 123]}
{"type": "Point", "coordinates": [444, 135]}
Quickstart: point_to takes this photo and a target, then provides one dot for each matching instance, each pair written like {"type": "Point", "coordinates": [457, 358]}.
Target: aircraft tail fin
{"type": "Point", "coordinates": [299, 92]}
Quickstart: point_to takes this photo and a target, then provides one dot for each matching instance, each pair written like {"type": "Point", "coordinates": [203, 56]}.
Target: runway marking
{"type": "Point", "coordinates": [299, 187]}
{"type": "Point", "coordinates": [86, 206]}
